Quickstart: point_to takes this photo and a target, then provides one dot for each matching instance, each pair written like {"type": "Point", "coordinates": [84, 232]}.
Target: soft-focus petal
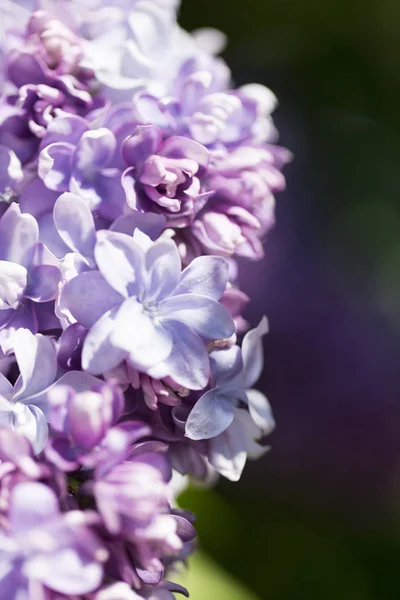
{"type": "Point", "coordinates": [68, 571]}
{"type": "Point", "coordinates": [31, 504]}
{"type": "Point", "coordinates": [210, 416]}
{"type": "Point", "coordinates": [68, 129]}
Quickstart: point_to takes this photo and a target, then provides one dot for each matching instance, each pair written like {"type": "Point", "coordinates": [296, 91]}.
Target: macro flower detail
{"type": "Point", "coordinates": [133, 176]}
{"type": "Point", "coordinates": [234, 372]}
{"type": "Point", "coordinates": [78, 159]}
{"type": "Point", "coordinates": [45, 549]}
{"type": "Point", "coordinates": [24, 405]}
{"type": "Point", "coordinates": [165, 176]}
{"type": "Point", "coordinates": [140, 307]}
{"type": "Point", "coordinates": [27, 276]}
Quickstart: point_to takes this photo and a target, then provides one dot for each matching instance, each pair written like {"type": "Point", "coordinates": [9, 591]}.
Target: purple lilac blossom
{"type": "Point", "coordinates": [28, 275]}
{"type": "Point", "coordinates": [80, 160]}
{"type": "Point", "coordinates": [131, 176]}
{"type": "Point", "coordinates": [165, 176]}
{"type": "Point", "coordinates": [24, 405]}
{"type": "Point", "coordinates": [140, 307]}
{"type": "Point", "coordinates": [234, 372]}
{"type": "Point", "coordinates": [44, 548]}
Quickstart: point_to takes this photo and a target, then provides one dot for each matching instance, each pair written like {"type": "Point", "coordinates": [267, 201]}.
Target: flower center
{"type": "Point", "coordinates": [150, 309]}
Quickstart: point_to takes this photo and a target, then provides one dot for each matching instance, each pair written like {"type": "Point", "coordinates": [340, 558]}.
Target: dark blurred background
{"type": "Point", "coordinates": [319, 516]}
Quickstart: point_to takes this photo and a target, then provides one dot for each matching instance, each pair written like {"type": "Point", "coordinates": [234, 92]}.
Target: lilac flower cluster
{"type": "Point", "coordinates": [131, 177]}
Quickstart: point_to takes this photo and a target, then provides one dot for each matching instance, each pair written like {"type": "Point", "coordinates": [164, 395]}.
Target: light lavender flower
{"type": "Point", "coordinates": [28, 275]}
{"type": "Point", "coordinates": [41, 548]}
{"type": "Point", "coordinates": [78, 159]}
{"type": "Point", "coordinates": [234, 372]}
{"type": "Point", "coordinates": [23, 407]}
{"type": "Point", "coordinates": [140, 307]}
{"type": "Point", "coordinates": [165, 176]}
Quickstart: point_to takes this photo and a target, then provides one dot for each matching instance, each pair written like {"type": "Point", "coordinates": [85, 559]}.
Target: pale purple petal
{"type": "Point", "coordinates": [42, 283]}
{"type": "Point", "coordinates": [252, 352]}
{"type": "Point", "coordinates": [10, 169]}
{"type": "Point", "coordinates": [182, 147]}
{"type": "Point", "coordinates": [36, 358]}
{"type": "Point", "coordinates": [94, 151]}
{"type": "Point", "coordinates": [226, 365]}
{"type": "Point", "coordinates": [68, 571]}
{"type": "Point", "coordinates": [205, 276]}
{"type": "Point", "coordinates": [75, 224]}
{"type": "Point", "coordinates": [204, 316]}
{"type": "Point", "coordinates": [88, 296]}
{"type": "Point", "coordinates": [24, 317]}
{"type": "Point", "coordinates": [146, 341]}
{"type": "Point", "coordinates": [227, 452]}
{"type": "Point", "coordinates": [34, 426]}
{"type": "Point", "coordinates": [99, 354]}
{"type": "Point", "coordinates": [18, 235]}
{"type": "Point", "coordinates": [6, 389]}
{"type": "Point", "coordinates": [68, 129]}
{"type": "Point", "coordinates": [13, 278]}
{"type": "Point", "coordinates": [163, 264]}
{"type": "Point", "coordinates": [31, 505]}
{"type": "Point", "coordinates": [120, 261]}
{"type": "Point", "coordinates": [50, 237]}
{"type": "Point", "coordinates": [54, 167]}
{"type": "Point", "coordinates": [260, 411]}
{"type": "Point", "coordinates": [144, 142]}
{"type": "Point", "coordinates": [188, 363]}
{"type": "Point", "coordinates": [210, 416]}
{"type": "Point", "coordinates": [150, 223]}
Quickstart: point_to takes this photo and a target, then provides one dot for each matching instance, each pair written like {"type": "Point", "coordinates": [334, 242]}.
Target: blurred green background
{"type": "Point", "coordinates": [319, 517]}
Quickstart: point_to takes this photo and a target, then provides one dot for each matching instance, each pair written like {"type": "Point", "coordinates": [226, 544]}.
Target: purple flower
{"type": "Point", "coordinates": [23, 407]}
{"type": "Point", "coordinates": [50, 54]}
{"type": "Point", "coordinates": [140, 307]}
{"type": "Point", "coordinates": [133, 499]}
{"type": "Point", "coordinates": [81, 422]}
{"type": "Point", "coordinates": [241, 211]}
{"type": "Point", "coordinates": [42, 548]}
{"type": "Point", "coordinates": [165, 176]}
{"type": "Point", "coordinates": [234, 372]}
{"type": "Point", "coordinates": [228, 452]}
{"type": "Point", "coordinates": [202, 107]}
{"type": "Point", "coordinates": [27, 276]}
{"type": "Point", "coordinates": [80, 160]}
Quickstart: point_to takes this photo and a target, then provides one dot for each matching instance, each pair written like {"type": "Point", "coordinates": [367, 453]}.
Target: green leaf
{"type": "Point", "coordinates": [206, 579]}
